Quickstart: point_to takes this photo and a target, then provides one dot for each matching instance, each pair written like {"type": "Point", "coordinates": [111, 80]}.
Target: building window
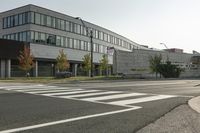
{"type": "Point", "coordinates": [42, 19]}
{"type": "Point", "coordinates": [51, 39]}
{"type": "Point", "coordinates": [58, 40]}
{"type": "Point", "coordinates": [8, 22]}
{"type": "Point", "coordinates": [23, 18]}
{"type": "Point", "coordinates": [16, 21]}
{"type": "Point", "coordinates": [12, 21]}
{"type": "Point", "coordinates": [20, 34]}
{"type": "Point", "coordinates": [37, 18]}
{"type": "Point", "coordinates": [42, 38]}
{"type": "Point", "coordinates": [67, 27]}
{"type": "Point", "coordinates": [49, 21]}
{"type": "Point", "coordinates": [54, 22]}
{"type": "Point", "coordinates": [4, 22]}
{"type": "Point", "coordinates": [82, 45]}
{"type": "Point", "coordinates": [62, 41]}
{"type": "Point", "coordinates": [24, 36]}
{"type": "Point", "coordinates": [62, 24]}
{"type": "Point", "coordinates": [32, 17]}
{"type": "Point", "coordinates": [78, 29]}
{"type": "Point", "coordinates": [105, 37]}
{"type": "Point", "coordinates": [66, 42]}
{"type": "Point", "coordinates": [20, 19]}
{"type": "Point", "coordinates": [71, 42]}
{"type": "Point", "coordinates": [32, 37]}
{"type": "Point", "coordinates": [58, 24]}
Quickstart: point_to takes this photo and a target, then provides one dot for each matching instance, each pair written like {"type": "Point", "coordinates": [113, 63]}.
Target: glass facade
{"type": "Point", "coordinates": [54, 40]}
{"type": "Point", "coordinates": [61, 24]}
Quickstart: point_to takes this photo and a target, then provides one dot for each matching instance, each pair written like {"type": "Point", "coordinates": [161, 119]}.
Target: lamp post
{"type": "Point", "coordinates": [166, 49]}
{"type": "Point", "coordinates": [90, 35]}
{"type": "Point", "coordinates": [164, 45]}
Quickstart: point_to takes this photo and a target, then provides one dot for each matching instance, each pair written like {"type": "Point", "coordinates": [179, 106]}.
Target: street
{"type": "Point", "coordinates": [107, 106]}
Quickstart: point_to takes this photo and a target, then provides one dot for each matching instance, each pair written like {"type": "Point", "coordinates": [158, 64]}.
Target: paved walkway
{"type": "Point", "coordinates": [183, 119]}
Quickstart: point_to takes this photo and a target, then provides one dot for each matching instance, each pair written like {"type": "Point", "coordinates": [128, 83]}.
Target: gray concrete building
{"type": "Point", "coordinates": [136, 63]}
{"type": "Point", "coordinates": [48, 31]}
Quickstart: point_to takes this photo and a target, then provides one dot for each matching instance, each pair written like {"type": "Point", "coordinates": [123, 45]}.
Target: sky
{"type": "Point", "coordinates": [176, 23]}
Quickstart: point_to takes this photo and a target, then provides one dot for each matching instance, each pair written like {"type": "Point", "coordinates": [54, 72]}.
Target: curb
{"type": "Point", "coordinates": [194, 103]}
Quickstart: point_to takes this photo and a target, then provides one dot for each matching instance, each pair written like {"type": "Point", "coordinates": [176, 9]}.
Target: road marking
{"type": "Point", "coordinates": [140, 100]}
{"type": "Point", "coordinates": [49, 91]}
{"type": "Point", "coordinates": [113, 96]}
{"type": "Point", "coordinates": [90, 94]}
{"type": "Point", "coordinates": [25, 87]}
{"type": "Point", "coordinates": [66, 93]}
{"type": "Point", "coordinates": [41, 89]}
{"type": "Point", "coordinates": [68, 120]}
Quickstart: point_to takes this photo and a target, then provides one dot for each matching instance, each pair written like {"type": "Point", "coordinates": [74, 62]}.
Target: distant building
{"type": "Point", "coordinates": [136, 63]}
{"type": "Point", "coordinates": [174, 50]}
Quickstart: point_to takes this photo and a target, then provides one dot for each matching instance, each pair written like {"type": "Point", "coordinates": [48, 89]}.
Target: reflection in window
{"type": "Point", "coordinates": [51, 39]}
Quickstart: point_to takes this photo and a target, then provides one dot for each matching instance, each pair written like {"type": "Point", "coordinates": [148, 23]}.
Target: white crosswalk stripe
{"type": "Point", "coordinates": [119, 98]}
{"type": "Point", "coordinates": [140, 100]}
{"type": "Point", "coordinates": [113, 96]}
{"type": "Point", "coordinates": [90, 94]}
{"type": "Point", "coordinates": [67, 93]}
{"type": "Point", "coordinates": [48, 91]}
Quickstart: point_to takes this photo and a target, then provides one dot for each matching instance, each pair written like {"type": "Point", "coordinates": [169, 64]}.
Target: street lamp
{"type": "Point", "coordinates": [90, 35]}
{"type": "Point", "coordinates": [164, 45]}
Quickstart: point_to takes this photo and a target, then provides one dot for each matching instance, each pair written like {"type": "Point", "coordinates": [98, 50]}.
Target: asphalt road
{"type": "Point", "coordinates": [114, 107]}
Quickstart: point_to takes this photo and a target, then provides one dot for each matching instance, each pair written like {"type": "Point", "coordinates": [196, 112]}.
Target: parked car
{"type": "Point", "coordinates": [64, 74]}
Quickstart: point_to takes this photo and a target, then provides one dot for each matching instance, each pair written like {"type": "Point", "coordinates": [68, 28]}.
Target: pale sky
{"type": "Point", "coordinates": [147, 22]}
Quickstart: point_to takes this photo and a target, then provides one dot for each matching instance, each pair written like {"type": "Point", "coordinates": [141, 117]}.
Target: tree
{"type": "Point", "coordinates": [87, 63]}
{"type": "Point", "coordinates": [154, 63]}
{"type": "Point", "coordinates": [26, 58]}
{"type": "Point", "coordinates": [62, 62]}
{"type": "Point", "coordinates": [104, 63]}
{"type": "Point", "coordinates": [169, 70]}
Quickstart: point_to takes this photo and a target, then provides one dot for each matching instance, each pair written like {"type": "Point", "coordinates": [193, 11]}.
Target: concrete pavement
{"type": "Point", "coordinates": [183, 119]}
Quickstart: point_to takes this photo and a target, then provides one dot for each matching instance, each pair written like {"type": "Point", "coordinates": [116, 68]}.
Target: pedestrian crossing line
{"type": "Point", "coordinates": [141, 100]}
{"type": "Point", "coordinates": [67, 93]}
{"type": "Point", "coordinates": [52, 91]}
{"type": "Point", "coordinates": [113, 96]}
{"type": "Point", "coordinates": [49, 90]}
{"type": "Point", "coordinates": [26, 87]}
{"type": "Point", "coordinates": [95, 96]}
{"type": "Point", "coordinates": [40, 88]}
{"type": "Point", "coordinates": [90, 94]}
{"type": "Point", "coordinates": [44, 89]}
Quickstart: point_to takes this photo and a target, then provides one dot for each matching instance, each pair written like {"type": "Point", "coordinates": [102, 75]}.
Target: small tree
{"type": "Point", "coordinates": [62, 62]}
{"type": "Point", "coordinates": [87, 63]}
{"type": "Point", "coordinates": [104, 64]}
{"type": "Point", "coordinates": [154, 63]}
{"type": "Point", "coordinates": [169, 70]}
{"type": "Point", "coordinates": [26, 58]}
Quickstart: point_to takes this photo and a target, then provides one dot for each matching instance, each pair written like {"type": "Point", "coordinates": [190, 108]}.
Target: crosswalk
{"type": "Point", "coordinates": [117, 98]}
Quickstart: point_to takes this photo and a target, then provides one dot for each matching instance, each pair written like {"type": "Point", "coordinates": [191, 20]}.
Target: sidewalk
{"type": "Point", "coordinates": [183, 119]}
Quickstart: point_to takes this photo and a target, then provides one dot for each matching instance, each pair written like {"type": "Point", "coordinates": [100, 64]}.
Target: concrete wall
{"type": "Point", "coordinates": [137, 62]}
{"type": "Point", "coordinates": [51, 52]}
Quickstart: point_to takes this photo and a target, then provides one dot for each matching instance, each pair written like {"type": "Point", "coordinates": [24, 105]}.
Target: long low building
{"type": "Point", "coordinates": [136, 63]}
{"type": "Point", "coordinates": [47, 31]}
